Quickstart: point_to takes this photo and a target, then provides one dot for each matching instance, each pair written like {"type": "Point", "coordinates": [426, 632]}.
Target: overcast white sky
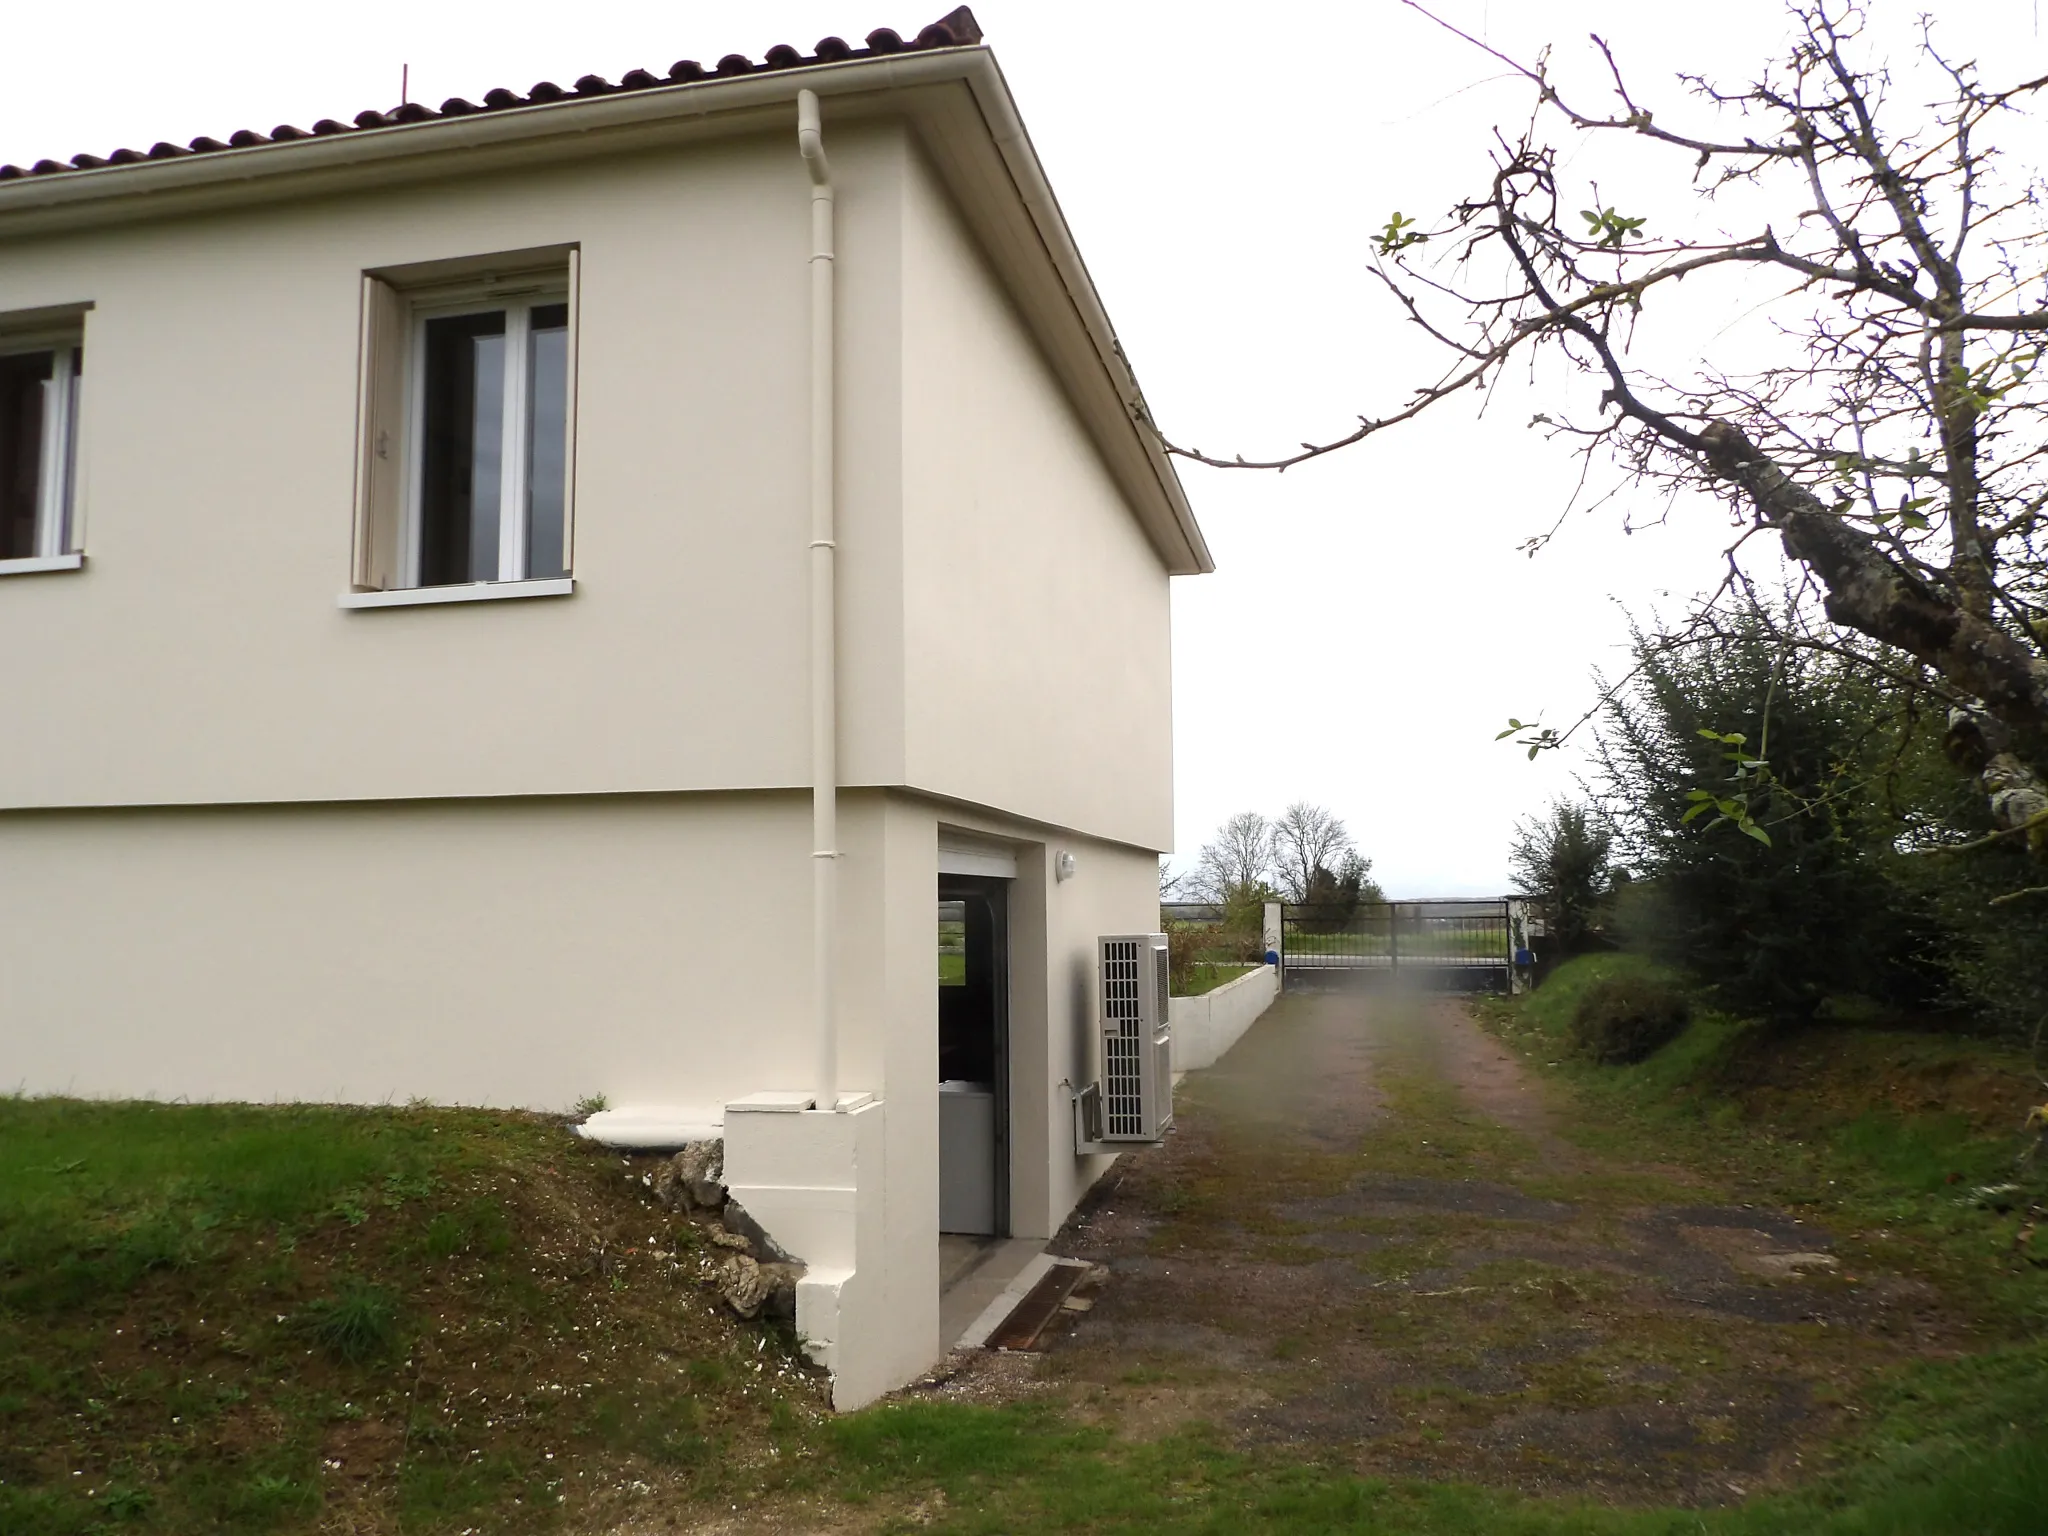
{"type": "Point", "coordinates": [1371, 623]}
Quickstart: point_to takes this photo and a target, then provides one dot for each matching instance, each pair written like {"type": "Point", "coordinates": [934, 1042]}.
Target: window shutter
{"type": "Point", "coordinates": [569, 415]}
{"type": "Point", "coordinates": [380, 413]}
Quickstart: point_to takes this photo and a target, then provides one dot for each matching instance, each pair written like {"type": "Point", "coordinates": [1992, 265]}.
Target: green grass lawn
{"type": "Point", "coordinates": [1208, 975]}
{"type": "Point", "coordinates": [989, 1471]}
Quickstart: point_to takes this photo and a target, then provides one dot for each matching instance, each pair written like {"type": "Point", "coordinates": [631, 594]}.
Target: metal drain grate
{"type": "Point", "coordinates": [1027, 1320]}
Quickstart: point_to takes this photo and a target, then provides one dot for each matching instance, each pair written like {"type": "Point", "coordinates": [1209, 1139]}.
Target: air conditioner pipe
{"type": "Point", "coordinates": [810, 141]}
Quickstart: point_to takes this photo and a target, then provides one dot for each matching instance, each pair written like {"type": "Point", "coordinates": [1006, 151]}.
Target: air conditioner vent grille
{"type": "Point", "coordinates": [1123, 1036]}
{"type": "Point", "coordinates": [1137, 1039]}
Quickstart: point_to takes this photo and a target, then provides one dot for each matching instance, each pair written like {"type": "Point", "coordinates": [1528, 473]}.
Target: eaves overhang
{"type": "Point", "coordinates": [955, 99]}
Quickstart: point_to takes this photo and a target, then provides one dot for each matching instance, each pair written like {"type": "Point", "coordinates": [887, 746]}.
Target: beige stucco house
{"type": "Point", "coordinates": [547, 597]}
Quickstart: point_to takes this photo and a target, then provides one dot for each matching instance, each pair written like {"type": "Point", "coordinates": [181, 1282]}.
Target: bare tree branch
{"type": "Point", "coordinates": [1894, 441]}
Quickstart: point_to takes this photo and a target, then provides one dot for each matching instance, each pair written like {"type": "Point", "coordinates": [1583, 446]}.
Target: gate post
{"type": "Point", "coordinates": [1276, 953]}
{"type": "Point", "coordinates": [1520, 960]}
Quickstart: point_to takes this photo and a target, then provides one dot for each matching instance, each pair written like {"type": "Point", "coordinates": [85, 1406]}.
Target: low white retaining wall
{"type": "Point", "coordinates": [1205, 1027]}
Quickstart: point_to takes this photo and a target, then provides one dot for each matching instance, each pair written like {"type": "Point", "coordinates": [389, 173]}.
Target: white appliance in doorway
{"type": "Point", "coordinates": [967, 1165]}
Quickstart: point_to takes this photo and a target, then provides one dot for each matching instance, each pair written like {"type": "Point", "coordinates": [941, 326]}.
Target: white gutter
{"type": "Point", "coordinates": [810, 142]}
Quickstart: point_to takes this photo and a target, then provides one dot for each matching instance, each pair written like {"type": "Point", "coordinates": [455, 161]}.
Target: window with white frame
{"type": "Point", "coordinates": [468, 413]}
{"type": "Point", "coordinates": [39, 383]}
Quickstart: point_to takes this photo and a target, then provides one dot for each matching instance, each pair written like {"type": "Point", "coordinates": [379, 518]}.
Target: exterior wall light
{"type": "Point", "coordinates": [1063, 866]}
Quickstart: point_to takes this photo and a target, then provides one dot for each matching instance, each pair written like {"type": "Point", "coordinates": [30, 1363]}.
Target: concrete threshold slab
{"type": "Point", "coordinates": [974, 1274]}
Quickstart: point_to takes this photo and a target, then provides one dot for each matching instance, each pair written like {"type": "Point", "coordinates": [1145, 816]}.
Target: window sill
{"type": "Point", "coordinates": [33, 564]}
{"type": "Point", "coordinates": [474, 592]}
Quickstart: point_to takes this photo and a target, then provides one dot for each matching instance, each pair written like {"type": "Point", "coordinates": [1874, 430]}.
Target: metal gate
{"type": "Point", "coordinates": [1451, 944]}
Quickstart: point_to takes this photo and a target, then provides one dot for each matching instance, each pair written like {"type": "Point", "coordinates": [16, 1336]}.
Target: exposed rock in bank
{"type": "Point", "coordinates": [750, 1287]}
{"type": "Point", "coordinates": [694, 1178]}
{"type": "Point", "coordinates": [751, 1272]}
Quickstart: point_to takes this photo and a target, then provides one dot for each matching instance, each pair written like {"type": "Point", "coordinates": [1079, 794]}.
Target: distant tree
{"type": "Point", "coordinates": [1338, 893]}
{"type": "Point", "coordinates": [1235, 867]}
{"type": "Point", "coordinates": [1368, 888]}
{"type": "Point", "coordinates": [1349, 884]}
{"type": "Point", "coordinates": [1307, 839]}
{"type": "Point", "coordinates": [1562, 861]}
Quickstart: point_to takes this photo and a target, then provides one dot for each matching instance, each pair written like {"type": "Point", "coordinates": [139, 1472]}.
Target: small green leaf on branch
{"type": "Point", "coordinates": [1399, 234]}
{"type": "Point", "coordinates": [1609, 229]}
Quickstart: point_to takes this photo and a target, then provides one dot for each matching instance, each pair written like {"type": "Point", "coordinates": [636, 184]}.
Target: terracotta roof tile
{"type": "Point", "coordinates": [951, 31]}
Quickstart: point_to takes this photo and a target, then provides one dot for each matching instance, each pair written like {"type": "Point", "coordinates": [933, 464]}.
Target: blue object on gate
{"type": "Point", "coordinates": [1273, 957]}
{"type": "Point", "coordinates": [1524, 957]}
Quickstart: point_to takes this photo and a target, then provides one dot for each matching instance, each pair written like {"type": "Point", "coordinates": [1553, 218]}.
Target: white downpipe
{"type": "Point", "coordinates": [810, 141]}
{"type": "Point", "coordinates": [652, 1127]}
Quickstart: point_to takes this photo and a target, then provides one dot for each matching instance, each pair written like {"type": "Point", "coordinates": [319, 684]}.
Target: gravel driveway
{"type": "Point", "coordinates": [1367, 1240]}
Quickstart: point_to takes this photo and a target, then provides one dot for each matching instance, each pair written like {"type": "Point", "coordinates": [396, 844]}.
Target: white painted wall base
{"type": "Point", "coordinates": [1205, 1027]}
{"type": "Point", "coordinates": [815, 1180]}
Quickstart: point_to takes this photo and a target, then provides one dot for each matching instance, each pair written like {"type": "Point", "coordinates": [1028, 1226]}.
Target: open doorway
{"type": "Point", "coordinates": [974, 1055]}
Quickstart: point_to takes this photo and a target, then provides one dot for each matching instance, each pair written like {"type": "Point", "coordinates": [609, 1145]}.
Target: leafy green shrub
{"type": "Point", "coordinates": [1773, 923]}
{"type": "Point", "coordinates": [1557, 997]}
{"type": "Point", "coordinates": [1184, 943]}
{"type": "Point", "coordinates": [357, 1323]}
{"type": "Point", "coordinates": [1621, 1020]}
{"type": "Point", "coordinates": [1194, 950]}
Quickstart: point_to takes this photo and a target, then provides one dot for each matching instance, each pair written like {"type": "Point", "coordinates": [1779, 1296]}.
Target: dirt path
{"type": "Point", "coordinates": [1368, 1239]}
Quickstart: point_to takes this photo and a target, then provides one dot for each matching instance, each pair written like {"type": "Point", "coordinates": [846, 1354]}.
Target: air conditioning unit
{"type": "Point", "coordinates": [1131, 1104]}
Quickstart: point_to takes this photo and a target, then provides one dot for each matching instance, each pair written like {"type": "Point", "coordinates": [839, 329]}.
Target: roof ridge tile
{"type": "Point", "coordinates": [956, 29]}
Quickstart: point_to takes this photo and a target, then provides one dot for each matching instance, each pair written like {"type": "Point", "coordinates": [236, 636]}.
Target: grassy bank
{"type": "Point", "coordinates": [1908, 1146]}
{"type": "Point", "coordinates": [1885, 1135]}
{"type": "Point", "coordinates": [247, 1319]}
